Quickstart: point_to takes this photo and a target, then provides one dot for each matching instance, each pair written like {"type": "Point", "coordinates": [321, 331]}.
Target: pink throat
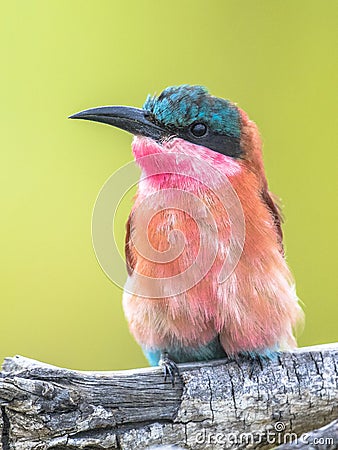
{"type": "Point", "coordinates": [178, 154]}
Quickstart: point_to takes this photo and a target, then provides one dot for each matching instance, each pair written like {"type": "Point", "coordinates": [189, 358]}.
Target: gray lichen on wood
{"type": "Point", "coordinates": [225, 402]}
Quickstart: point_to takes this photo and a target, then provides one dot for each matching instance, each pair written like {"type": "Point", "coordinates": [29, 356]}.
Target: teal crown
{"type": "Point", "coordinates": [181, 106]}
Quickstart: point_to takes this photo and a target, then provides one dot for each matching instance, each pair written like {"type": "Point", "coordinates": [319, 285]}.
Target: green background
{"type": "Point", "coordinates": [276, 59]}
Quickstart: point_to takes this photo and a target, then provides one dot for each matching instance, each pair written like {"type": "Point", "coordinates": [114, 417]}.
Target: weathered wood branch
{"type": "Point", "coordinates": [222, 404]}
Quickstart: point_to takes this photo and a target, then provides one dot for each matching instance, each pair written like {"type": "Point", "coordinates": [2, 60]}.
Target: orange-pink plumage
{"type": "Point", "coordinates": [203, 193]}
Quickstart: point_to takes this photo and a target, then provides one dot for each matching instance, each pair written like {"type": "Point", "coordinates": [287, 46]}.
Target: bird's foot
{"type": "Point", "coordinates": [169, 368]}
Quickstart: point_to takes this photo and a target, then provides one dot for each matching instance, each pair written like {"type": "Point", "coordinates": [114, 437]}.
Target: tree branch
{"type": "Point", "coordinates": [221, 404]}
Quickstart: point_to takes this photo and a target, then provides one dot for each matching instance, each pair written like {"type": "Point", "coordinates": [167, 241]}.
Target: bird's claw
{"type": "Point", "coordinates": [169, 368]}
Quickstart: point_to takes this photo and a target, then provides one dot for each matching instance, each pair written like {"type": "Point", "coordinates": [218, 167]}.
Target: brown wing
{"type": "Point", "coordinates": [272, 203]}
{"type": "Point", "coordinates": [128, 248]}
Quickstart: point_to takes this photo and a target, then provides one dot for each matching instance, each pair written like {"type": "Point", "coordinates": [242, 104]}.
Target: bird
{"type": "Point", "coordinates": [201, 158]}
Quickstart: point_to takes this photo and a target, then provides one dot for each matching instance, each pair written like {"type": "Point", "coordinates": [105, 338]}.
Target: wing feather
{"type": "Point", "coordinates": [273, 203]}
{"type": "Point", "coordinates": [129, 251]}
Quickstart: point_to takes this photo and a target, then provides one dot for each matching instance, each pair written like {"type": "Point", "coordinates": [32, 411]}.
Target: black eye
{"type": "Point", "coordinates": [198, 129]}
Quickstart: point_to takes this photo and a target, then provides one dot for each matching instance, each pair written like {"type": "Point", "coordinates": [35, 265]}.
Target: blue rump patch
{"type": "Point", "coordinates": [207, 352]}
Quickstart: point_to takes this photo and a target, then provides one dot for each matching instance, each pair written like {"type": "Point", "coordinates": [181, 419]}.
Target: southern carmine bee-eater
{"type": "Point", "coordinates": [255, 308]}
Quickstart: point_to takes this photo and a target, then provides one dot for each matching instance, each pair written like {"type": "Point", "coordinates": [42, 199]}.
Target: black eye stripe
{"type": "Point", "coordinates": [198, 129]}
{"type": "Point", "coordinates": [201, 134]}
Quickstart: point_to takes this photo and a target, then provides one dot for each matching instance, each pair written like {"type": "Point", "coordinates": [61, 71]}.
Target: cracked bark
{"type": "Point", "coordinates": [220, 404]}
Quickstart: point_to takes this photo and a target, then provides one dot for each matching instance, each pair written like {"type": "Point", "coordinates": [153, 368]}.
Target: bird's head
{"type": "Point", "coordinates": [192, 114]}
{"type": "Point", "coordinates": [187, 113]}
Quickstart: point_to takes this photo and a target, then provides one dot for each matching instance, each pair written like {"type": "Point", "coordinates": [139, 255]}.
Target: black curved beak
{"type": "Point", "coordinates": [133, 120]}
